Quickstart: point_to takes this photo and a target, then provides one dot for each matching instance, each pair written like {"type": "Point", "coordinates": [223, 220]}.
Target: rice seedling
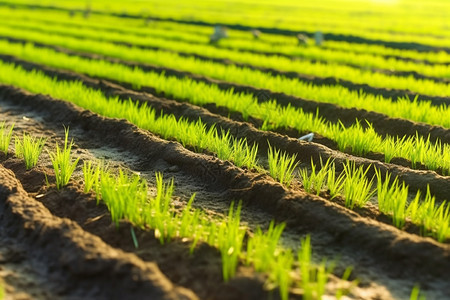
{"type": "Point", "coordinates": [230, 240]}
{"type": "Point", "coordinates": [335, 185]}
{"type": "Point", "coordinates": [29, 149]}
{"type": "Point", "coordinates": [313, 279]}
{"type": "Point", "coordinates": [281, 272]}
{"type": "Point", "coordinates": [281, 165]}
{"type": "Point", "coordinates": [5, 137]}
{"type": "Point", "coordinates": [345, 277]}
{"type": "Point", "coordinates": [62, 162]}
{"type": "Point", "coordinates": [262, 247]}
{"type": "Point", "coordinates": [91, 174]}
{"type": "Point", "coordinates": [415, 293]}
{"type": "Point", "coordinates": [315, 181]}
{"type": "Point", "coordinates": [357, 189]}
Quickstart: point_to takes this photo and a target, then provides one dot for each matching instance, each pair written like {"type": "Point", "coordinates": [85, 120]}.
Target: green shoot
{"type": "Point", "coordinates": [91, 175]}
{"type": "Point", "coordinates": [5, 137]}
{"type": "Point", "coordinates": [230, 240]}
{"type": "Point", "coordinates": [313, 279]}
{"type": "Point", "coordinates": [281, 166]}
{"type": "Point", "coordinates": [262, 247]}
{"type": "Point", "coordinates": [29, 148]}
{"type": "Point", "coordinates": [415, 293]}
{"type": "Point", "coordinates": [357, 188]}
{"type": "Point", "coordinates": [281, 272]}
{"type": "Point", "coordinates": [62, 162]}
{"type": "Point", "coordinates": [335, 185]}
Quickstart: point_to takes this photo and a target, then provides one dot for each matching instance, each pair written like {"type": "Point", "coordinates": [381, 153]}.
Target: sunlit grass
{"type": "Point", "coordinates": [29, 148]}
{"type": "Point", "coordinates": [62, 161]}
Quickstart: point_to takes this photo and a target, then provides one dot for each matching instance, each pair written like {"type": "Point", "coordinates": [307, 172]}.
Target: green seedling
{"type": "Point", "coordinates": [335, 185]}
{"type": "Point", "coordinates": [262, 247]}
{"type": "Point", "coordinates": [5, 137]}
{"type": "Point", "coordinates": [313, 279]}
{"type": "Point", "coordinates": [415, 294]}
{"type": "Point", "coordinates": [315, 181]}
{"type": "Point", "coordinates": [230, 240]}
{"type": "Point", "coordinates": [62, 162]}
{"type": "Point", "coordinates": [281, 165]}
{"type": "Point", "coordinates": [357, 188]}
{"type": "Point", "coordinates": [29, 149]}
{"type": "Point", "coordinates": [91, 176]}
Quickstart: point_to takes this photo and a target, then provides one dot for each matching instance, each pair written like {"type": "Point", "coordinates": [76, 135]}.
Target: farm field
{"type": "Point", "coordinates": [224, 149]}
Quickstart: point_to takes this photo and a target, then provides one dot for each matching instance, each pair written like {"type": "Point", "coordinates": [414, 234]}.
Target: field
{"type": "Point", "coordinates": [224, 149]}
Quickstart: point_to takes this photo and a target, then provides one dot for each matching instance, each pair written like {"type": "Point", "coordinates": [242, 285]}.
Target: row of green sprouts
{"type": "Point", "coordinates": [127, 197]}
{"type": "Point", "coordinates": [27, 147]}
{"type": "Point", "coordinates": [358, 139]}
{"type": "Point", "coordinates": [357, 189]}
{"type": "Point", "coordinates": [352, 184]}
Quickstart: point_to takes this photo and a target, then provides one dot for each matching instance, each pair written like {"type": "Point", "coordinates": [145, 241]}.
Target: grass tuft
{"type": "Point", "coordinates": [29, 148]}
{"type": "Point", "coordinates": [281, 165]}
{"type": "Point", "coordinates": [62, 162]}
{"type": "Point", "coordinates": [5, 137]}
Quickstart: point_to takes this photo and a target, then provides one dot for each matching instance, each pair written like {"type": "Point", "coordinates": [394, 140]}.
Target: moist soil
{"type": "Point", "coordinates": [84, 255]}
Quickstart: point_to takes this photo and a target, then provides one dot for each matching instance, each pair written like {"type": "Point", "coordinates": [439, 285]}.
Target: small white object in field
{"type": "Point", "coordinates": [318, 36]}
{"type": "Point", "coordinates": [256, 33]}
{"type": "Point", "coordinates": [302, 39]}
{"type": "Point", "coordinates": [220, 32]}
{"type": "Point", "coordinates": [308, 137]}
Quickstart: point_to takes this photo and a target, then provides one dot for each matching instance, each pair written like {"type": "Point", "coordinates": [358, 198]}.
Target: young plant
{"type": "Point", "coordinates": [62, 162]}
{"type": "Point", "coordinates": [335, 185]}
{"type": "Point", "coordinates": [261, 247]}
{"type": "Point", "coordinates": [280, 272]}
{"type": "Point", "coordinates": [230, 240]}
{"type": "Point", "coordinates": [313, 278]}
{"type": "Point", "coordinates": [281, 165]}
{"type": "Point", "coordinates": [29, 148]}
{"type": "Point", "coordinates": [415, 294]}
{"type": "Point", "coordinates": [5, 137]}
{"type": "Point", "coordinates": [91, 176]}
{"type": "Point", "coordinates": [357, 188]}
{"type": "Point", "coordinates": [316, 180]}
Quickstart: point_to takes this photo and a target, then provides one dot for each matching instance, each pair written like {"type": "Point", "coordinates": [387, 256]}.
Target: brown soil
{"type": "Point", "coordinates": [380, 253]}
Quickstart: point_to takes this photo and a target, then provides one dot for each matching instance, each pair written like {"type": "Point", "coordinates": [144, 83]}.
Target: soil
{"type": "Point", "coordinates": [83, 253]}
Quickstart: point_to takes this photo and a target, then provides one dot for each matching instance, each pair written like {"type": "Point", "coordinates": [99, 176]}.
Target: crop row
{"type": "Point", "coordinates": [311, 19]}
{"type": "Point", "coordinates": [145, 37]}
{"type": "Point", "coordinates": [421, 111]}
{"type": "Point", "coordinates": [357, 190]}
{"type": "Point", "coordinates": [238, 40]}
{"type": "Point", "coordinates": [200, 46]}
{"type": "Point", "coordinates": [358, 139]}
{"type": "Point", "coordinates": [58, 35]}
{"type": "Point", "coordinates": [355, 187]}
